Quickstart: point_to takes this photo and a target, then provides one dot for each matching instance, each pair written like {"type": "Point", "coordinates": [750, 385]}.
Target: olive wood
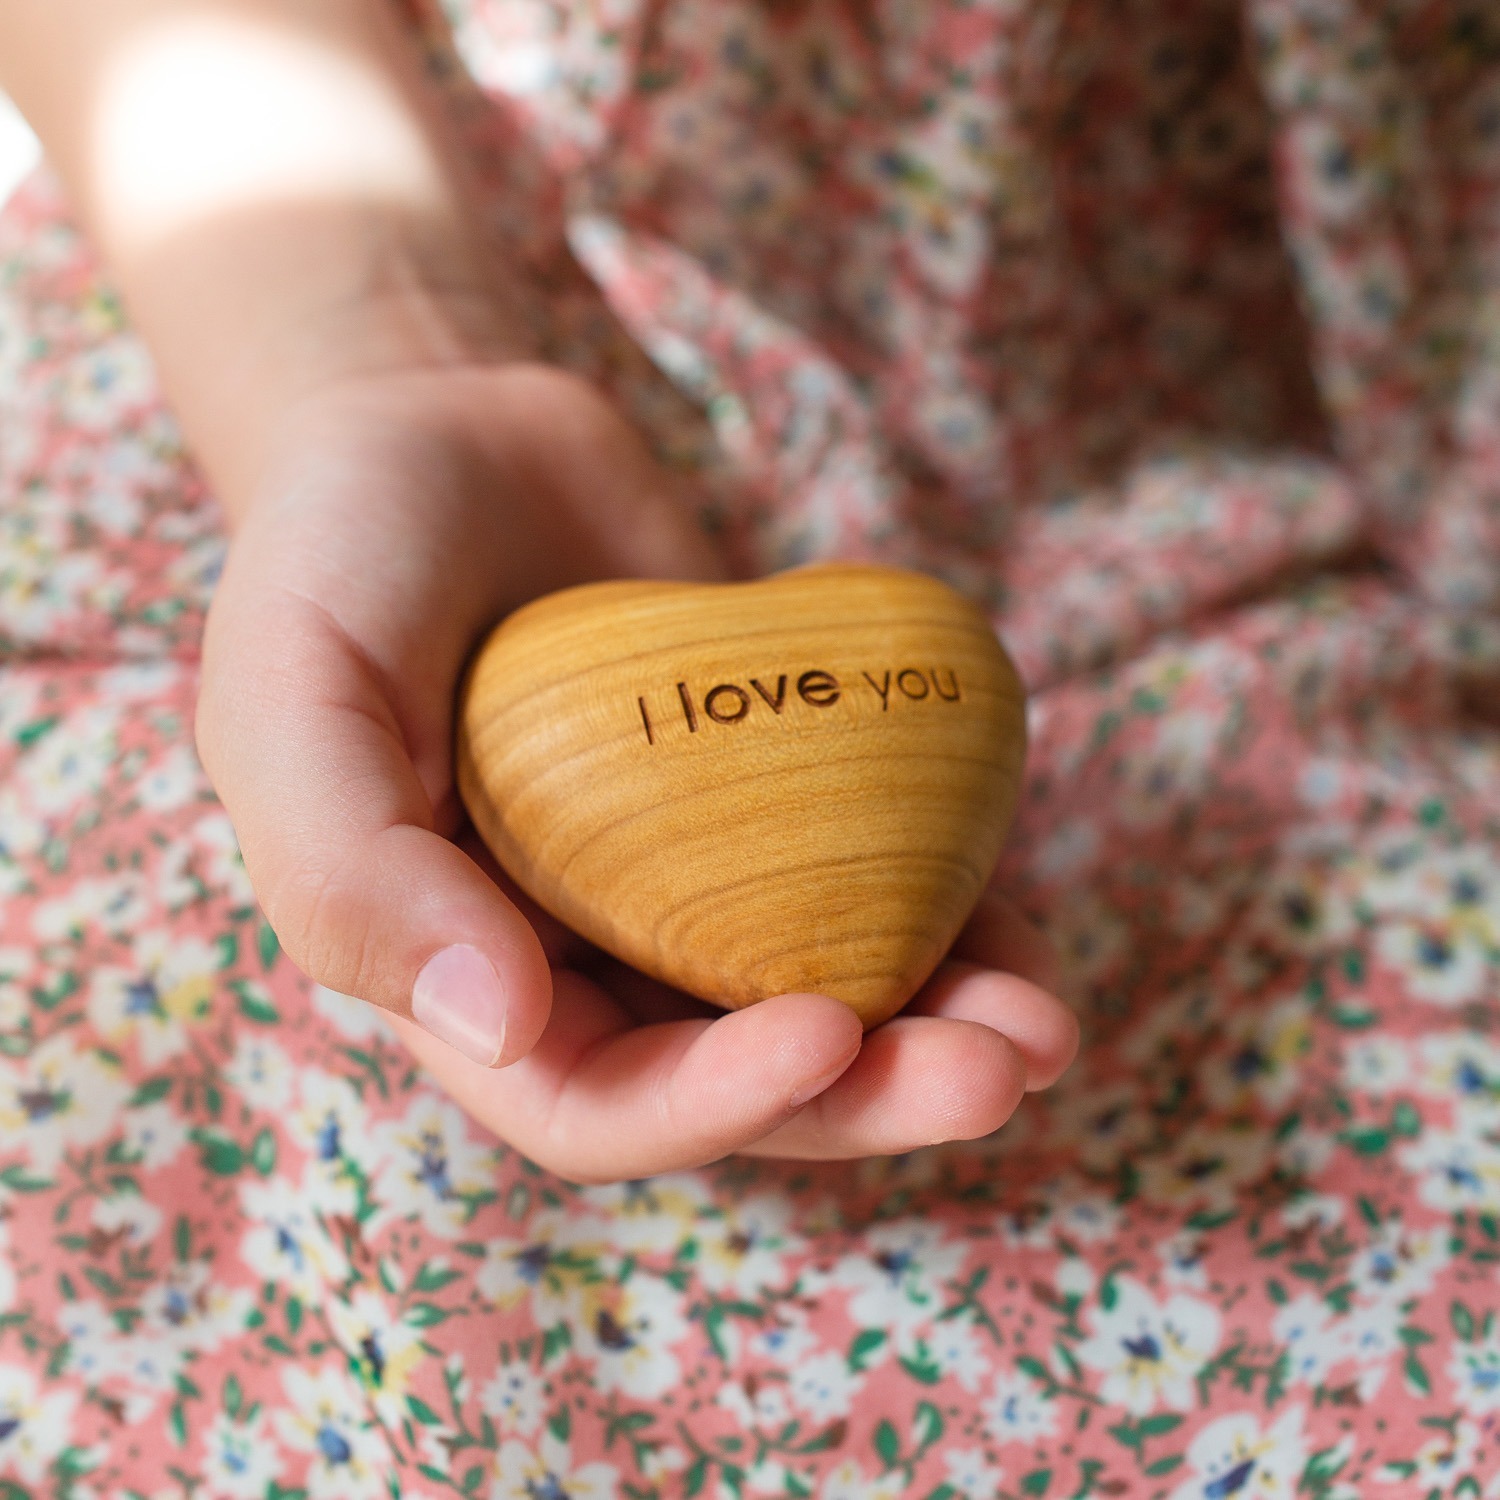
{"type": "Point", "coordinates": [796, 784]}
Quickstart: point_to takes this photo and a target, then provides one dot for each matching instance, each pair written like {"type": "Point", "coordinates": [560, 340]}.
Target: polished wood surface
{"type": "Point", "coordinates": [800, 783]}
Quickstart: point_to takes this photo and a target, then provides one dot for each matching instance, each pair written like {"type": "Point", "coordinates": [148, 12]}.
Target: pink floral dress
{"type": "Point", "coordinates": [1169, 327]}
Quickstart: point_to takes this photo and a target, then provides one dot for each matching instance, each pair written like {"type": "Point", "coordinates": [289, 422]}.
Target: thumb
{"type": "Point", "coordinates": [337, 832]}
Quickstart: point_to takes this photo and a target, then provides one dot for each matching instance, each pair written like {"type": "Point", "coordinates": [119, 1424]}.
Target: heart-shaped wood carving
{"type": "Point", "coordinates": [796, 784]}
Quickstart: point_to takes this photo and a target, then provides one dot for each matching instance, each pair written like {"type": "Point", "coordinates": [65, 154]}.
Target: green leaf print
{"type": "Point", "coordinates": [267, 945]}
{"type": "Point", "coordinates": [217, 1153]}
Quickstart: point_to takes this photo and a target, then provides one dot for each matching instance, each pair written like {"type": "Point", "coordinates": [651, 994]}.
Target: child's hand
{"type": "Point", "coordinates": [402, 514]}
{"type": "Point", "coordinates": [335, 329]}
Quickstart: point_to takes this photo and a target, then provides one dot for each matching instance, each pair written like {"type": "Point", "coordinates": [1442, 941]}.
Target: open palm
{"type": "Point", "coordinates": [401, 517]}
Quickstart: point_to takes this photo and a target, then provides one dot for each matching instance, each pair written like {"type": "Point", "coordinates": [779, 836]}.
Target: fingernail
{"type": "Point", "coordinates": [458, 997]}
{"type": "Point", "coordinates": [813, 1088]}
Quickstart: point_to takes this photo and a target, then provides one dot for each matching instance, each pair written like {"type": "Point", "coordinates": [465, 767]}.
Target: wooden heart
{"type": "Point", "coordinates": [796, 784]}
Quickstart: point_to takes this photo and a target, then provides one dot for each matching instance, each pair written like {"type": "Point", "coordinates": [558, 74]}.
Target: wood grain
{"type": "Point", "coordinates": [796, 784]}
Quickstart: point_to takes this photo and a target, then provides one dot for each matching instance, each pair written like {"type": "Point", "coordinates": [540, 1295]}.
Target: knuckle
{"type": "Point", "coordinates": [322, 925]}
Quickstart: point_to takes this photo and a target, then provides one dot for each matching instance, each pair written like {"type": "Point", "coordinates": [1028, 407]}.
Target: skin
{"type": "Point", "coordinates": [337, 339]}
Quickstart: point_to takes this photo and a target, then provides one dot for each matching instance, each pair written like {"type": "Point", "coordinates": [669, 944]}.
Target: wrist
{"type": "Point", "coordinates": [320, 300]}
{"type": "Point", "coordinates": [277, 191]}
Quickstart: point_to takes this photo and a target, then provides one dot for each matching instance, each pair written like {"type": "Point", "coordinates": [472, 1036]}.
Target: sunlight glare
{"type": "Point", "coordinates": [204, 115]}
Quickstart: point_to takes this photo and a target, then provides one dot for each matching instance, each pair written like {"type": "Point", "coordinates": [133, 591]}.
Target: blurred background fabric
{"type": "Point", "coordinates": [1168, 328]}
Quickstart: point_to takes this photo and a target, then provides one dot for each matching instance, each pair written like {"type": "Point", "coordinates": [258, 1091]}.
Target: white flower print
{"type": "Point", "coordinates": [1470, 885]}
{"type": "Point", "coordinates": [1474, 1369]}
{"type": "Point", "coordinates": [1448, 887]}
{"type": "Point", "coordinates": [1459, 1065]}
{"type": "Point", "coordinates": [20, 693]}
{"type": "Point", "coordinates": [1068, 850]}
{"type": "Point", "coordinates": [1303, 1154]}
{"type": "Point", "coordinates": [549, 1268]}
{"type": "Point", "coordinates": [742, 1248]}
{"type": "Point", "coordinates": [188, 1308]}
{"type": "Point", "coordinates": [114, 904]}
{"type": "Point", "coordinates": [1377, 1065]}
{"type": "Point", "coordinates": [848, 1481]}
{"type": "Point", "coordinates": [1399, 1263]}
{"type": "Point", "coordinates": [1018, 1411]}
{"type": "Point", "coordinates": [769, 1477]}
{"type": "Point", "coordinates": [1083, 1217]}
{"type": "Point", "coordinates": [137, 681]}
{"type": "Point", "coordinates": [259, 1071]}
{"type": "Point", "coordinates": [515, 1396]}
{"type": "Point", "coordinates": [1322, 1210]}
{"type": "Point", "coordinates": [824, 1386]}
{"type": "Point", "coordinates": [1304, 909]}
{"type": "Point", "coordinates": [154, 1134]}
{"type": "Point", "coordinates": [972, 1474]}
{"type": "Point", "coordinates": [1234, 1456]}
{"type": "Point", "coordinates": [126, 1218]}
{"type": "Point", "coordinates": [1260, 1055]}
{"type": "Point", "coordinates": [1182, 1260]}
{"type": "Point", "coordinates": [526, 1473]}
{"type": "Point", "coordinates": [1396, 876]}
{"type": "Point", "coordinates": [1150, 1353]}
{"type": "Point", "coordinates": [285, 1241]}
{"type": "Point", "coordinates": [630, 1335]}
{"type": "Point", "coordinates": [1438, 963]}
{"type": "Point", "coordinates": [1075, 1277]}
{"type": "Point", "coordinates": [196, 569]}
{"type": "Point", "coordinates": [650, 1215]}
{"type": "Point", "coordinates": [43, 588]}
{"type": "Point", "coordinates": [1207, 1164]}
{"type": "Point", "coordinates": [21, 836]}
{"type": "Point", "coordinates": [1440, 1462]}
{"type": "Point", "coordinates": [1320, 782]}
{"type": "Point", "coordinates": [16, 965]}
{"type": "Point", "coordinates": [174, 781]}
{"type": "Point", "coordinates": [1305, 1330]}
{"type": "Point", "coordinates": [57, 1098]}
{"type": "Point", "coordinates": [783, 1338]}
{"type": "Point", "coordinates": [1102, 1126]}
{"type": "Point", "coordinates": [755, 1404]}
{"type": "Point", "coordinates": [1370, 1337]}
{"type": "Point", "coordinates": [1187, 1011]}
{"type": "Point", "coordinates": [383, 1349]}
{"type": "Point", "coordinates": [241, 1459]}
{"type": "Point", "coordinates": [952, 1346]}
{"type": "Point", "coordinates": [224, 869]}
{"type": "Point", "coordinates": [35, 1423]}
{"type": "Point", "coordinates": [326, 1419]}
{"type": "Point", "coordinates": [177, 881]}
{"type": "Point", "coordinates": [432, 1167]}
{"type": "Point", "coordinates": [105, 380]}
{"type": "Point", "coordinates": [96, 1350]}
{"type": "Point", "coordinates": [70, 763]}
{"type": "Point", "coordinates": [1456, 1169]}
{"type": "Point", "coordinates": [658, 1465]}
{"type": "Point", "coordinates": [171, 985]}
{"type": "Point", "coordinates": [150, 1365]}
{"type": "Point", "coordinates": [1158, 778]}
{"type": "Point", "coordinates": [896, 1279]}
{"type": "Point", "coordinates": [1090, 938]}
{"type": "Point", "coordinates": [328, 1121]}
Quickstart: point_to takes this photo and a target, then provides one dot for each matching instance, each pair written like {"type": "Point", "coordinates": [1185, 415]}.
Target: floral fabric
{"type": "Point", "coordinates": [1173, 330]}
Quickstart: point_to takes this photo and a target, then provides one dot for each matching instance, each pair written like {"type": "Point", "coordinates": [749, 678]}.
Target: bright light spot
{"type": "Point", "coordinates": [19, 150]}
{"type": "Point", "coordinates": [207, 115]}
